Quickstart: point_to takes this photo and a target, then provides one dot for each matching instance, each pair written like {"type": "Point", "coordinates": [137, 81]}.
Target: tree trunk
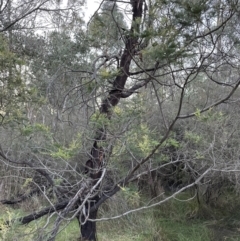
{"type": "Point", "coordinates": [94, 165]}
{"type": "Point", "coordinates": [89, 229]}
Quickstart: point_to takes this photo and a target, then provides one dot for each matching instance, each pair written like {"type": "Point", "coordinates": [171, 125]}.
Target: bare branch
{"type": "Point", "coordinates": [214, 104]}
{"type": "Point", "coordinates": [157, 203]}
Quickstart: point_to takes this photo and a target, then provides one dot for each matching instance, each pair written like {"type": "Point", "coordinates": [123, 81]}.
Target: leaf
{"type": "Point", "coordinates": [27, 181]}
{"type": "Point", "coordinates": [197, 113]}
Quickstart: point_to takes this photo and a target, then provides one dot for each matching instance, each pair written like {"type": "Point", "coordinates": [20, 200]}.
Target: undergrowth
{"type": "Point", "coordinates": [175, 220]}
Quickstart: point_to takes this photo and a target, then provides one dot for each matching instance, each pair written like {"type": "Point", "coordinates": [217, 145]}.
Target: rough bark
{"type": "Point", "coordinates": [88, 229]}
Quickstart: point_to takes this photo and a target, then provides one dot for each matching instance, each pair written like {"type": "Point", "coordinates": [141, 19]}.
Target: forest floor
{"type": "Point", "coordinates": [175, 220]}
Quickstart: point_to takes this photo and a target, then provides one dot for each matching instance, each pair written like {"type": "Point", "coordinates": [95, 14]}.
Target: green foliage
{"type": "Point", "coordinates": [131, 195]}
{"type": "Point", "coordinates": [66, 152]}
{"type": "Point", "coordinates": [41, 136]}
{"type": "Point", "coordinates": [198, 113]}
{"type": "Point", "coordinates": [58, 181]}
{"type": "Point", "coordinates": [117, 111]}
{"type": "Point", "coordinates": [8, 59]}
{"type": "Point", "coordinates": [171, 142]}
{"type": "Point", "coordinates": [172, 33]}
{"type": "Point", "coordinates": [99, 120]}
{"type": "Point", "coordinates": [209, 115]}
{"type": "Point", "coordinates": [63, 153]}
{"type": "Point", "coordinates": [106, 74]}
{"type": "Point", "coordinates": [27, 182]}
{"type": "Point", "coordinates": [169, 51]}
{"type": "Point", "coordinates": [35, 128]}
{"type": "Point", "coordinates": [192, 137]}
{"type": "Point", "coordinates": [199, 155]}
{"type": "Point", "coordinates": [142, 139]}
{"type": "Point", "coordinates": [103, 33]}
{"type": "Point", "coordinates": [3, 226]}
{"type": "Point", "coordinates": [33, 230]}
{"type": "Point", "coordinates": [63, 49]}
{"type": "Point", "coordinates": [13, 232]}
{"type": "Point", "coordinates": [15, 89]}
{"type": "Point", "coordinates": [188, 12]}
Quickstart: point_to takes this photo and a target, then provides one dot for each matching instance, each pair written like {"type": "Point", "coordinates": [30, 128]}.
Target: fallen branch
{"type": "Point", "coordinates": [36, 215]}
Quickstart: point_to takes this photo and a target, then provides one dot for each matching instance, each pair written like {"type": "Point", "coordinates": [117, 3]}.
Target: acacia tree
{"type": "Point", "coordinates": [180, 54]}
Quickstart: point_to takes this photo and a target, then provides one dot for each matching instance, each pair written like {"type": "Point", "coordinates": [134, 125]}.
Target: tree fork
{"type": "Point", "coordinates": [88, 229]}
{"type": "Point", "coordinates": [94, 165]}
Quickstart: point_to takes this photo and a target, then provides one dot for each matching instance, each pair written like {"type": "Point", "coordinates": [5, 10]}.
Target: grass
{"type": "Point", "coordinates": [33, 231]}
{"type": "Point", "coordinates": [185, 231]}
{"type": "Point", "coordinates": [172, 221]}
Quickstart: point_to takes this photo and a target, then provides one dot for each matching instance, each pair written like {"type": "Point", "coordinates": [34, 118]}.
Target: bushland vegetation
{"type": "Point", "coordinates": [124, 124]}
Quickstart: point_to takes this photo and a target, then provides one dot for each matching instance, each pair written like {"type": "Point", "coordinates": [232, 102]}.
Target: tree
{"type": "Point", "coordinates": [136, 90]}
